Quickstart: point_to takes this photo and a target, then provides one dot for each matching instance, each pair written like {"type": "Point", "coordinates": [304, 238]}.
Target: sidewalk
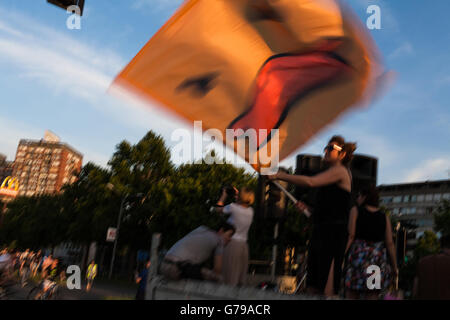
{"type": "Point", "coordinates": [101, 290]}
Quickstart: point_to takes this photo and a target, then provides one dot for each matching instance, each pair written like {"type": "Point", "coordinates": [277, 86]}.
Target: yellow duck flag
{"type": "Point", "coordinates": [291, 65]}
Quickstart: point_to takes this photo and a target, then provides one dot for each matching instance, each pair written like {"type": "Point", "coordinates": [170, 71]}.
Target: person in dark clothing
{"type": "Point", "coordinates": [370, 239]}
{"type": "Point", "coordinates": [330, 216]}
{"type": "Point", "coordinates": [142, 281]}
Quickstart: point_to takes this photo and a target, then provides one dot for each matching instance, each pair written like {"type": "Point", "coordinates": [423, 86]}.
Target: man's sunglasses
{"type": "Point", "coordinates": [332, 147]}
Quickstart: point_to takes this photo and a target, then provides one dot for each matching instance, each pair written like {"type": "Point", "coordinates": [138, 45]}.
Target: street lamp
{"type": "Point", "coordinates": [111, 266]}
{"type": "Point", "coordinates": [139, 195]}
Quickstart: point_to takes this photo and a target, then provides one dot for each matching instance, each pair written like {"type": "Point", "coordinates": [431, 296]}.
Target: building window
{"type": "Point", "coordinates": [388, 200]}
{"type": "Point", "coordinates": [429, 197]}
{"type": "Point", "coordinates": [429, 223]}
{"type": "Point", "coordinates": [420, 210]}
{"type": "Point", "coordinates": [396, 211]}
{"type": "Point", "coordinates": [446, 196]}
{"type": "Point", "coordinates": [398, 199]}
{"type": "Point", "coordinates": [437, 197]}
{"type": "Point", "coordinates": [420, 198]}
{"type": "Point", "coordinates": [413, 198]}
{"type": "Point", "coordinates": [408, 210]}
{"type": "Point", "coordinates": [424, 223]}
{"type": "Point", "coordinates": [406, 198]}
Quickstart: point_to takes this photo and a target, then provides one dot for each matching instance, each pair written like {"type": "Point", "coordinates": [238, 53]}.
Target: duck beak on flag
{"type": "Point", "coordinates": [272, 72]}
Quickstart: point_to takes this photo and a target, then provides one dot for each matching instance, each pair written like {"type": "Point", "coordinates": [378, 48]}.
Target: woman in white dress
{"type": "Point", "coordinates": [236, 255]}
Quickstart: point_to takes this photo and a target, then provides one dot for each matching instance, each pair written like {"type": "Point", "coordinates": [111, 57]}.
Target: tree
{"type": "Point", "coordinates": [183, 202]}
{"type": "Point", "coordinates": [34, 222]}
{"type": "Point", "coordinates": [89, 204]}
{"type": "Point", "coordinates": [442, 218]}
{"type": "Point", "coordinates": [175, 201]}
{"type": "Point", "coordinates": [135, 168]}
{"type": "Point", "coordinates": [143, 168]}
{"type": "Point", "coordinates": [428, 244]}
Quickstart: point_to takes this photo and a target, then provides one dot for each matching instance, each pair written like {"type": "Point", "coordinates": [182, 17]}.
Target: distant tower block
{"type": "Point", "coordinates": [45, 166]}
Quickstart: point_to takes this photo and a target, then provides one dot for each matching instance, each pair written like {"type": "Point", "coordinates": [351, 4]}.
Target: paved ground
{"type": "Point", "coordinates": [101, 290]}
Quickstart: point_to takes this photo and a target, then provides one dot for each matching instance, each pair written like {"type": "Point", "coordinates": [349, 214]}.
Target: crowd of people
{"type": "Point", "coordinates": [25, 265]}
{"type": "Point", "coordinates": [46, 270]}
{"type": "Point", "coordinates": [30, 264]}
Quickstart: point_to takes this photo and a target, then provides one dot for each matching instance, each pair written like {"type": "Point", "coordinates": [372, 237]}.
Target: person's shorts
{"type": "Point", "coordinates": [189, 270]}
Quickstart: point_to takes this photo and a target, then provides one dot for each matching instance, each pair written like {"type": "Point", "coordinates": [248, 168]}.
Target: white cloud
{"type": "Point", "coordinates": [405, 49]}
{"type": "Point", "coordinates": [6, 29]}
{"type": "Point", "coordinates": [56, 60]}
{"type": "Point", "coordinates": [431, 169]}
{"type": "Point", "coordinates": [443, 81]}
{"type": "Point", "coordinates": [12, 132]}
{"type": "Point", "coordinates": [77, 71]}
{"type": "Point", "coordinates": [71, 68]}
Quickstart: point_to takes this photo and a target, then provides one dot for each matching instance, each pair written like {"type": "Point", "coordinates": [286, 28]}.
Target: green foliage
{"type": "Point", "coordinates": [297, 228]}
{"type": "Point", "coordinates": [174, 201]}
{"type": "Point", "coordinates": [428, 244]}
{"type": "Point", "coordinates": [183, 202]}
{"type": "Point", "coordinates": [89, 205]}
{"type": "Point", "coordinates": [442, 218]}
{"type": "Point", "coordinates": [136, 168]}
{"type": "Point", "coordinates": [33, 222]}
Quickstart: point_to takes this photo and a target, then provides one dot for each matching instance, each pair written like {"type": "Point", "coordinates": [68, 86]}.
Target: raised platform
{"type": "Point", "coordinates": [160, 289]}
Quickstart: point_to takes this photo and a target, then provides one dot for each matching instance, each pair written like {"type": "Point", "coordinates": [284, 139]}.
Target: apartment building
{"type": "Point", "coordinates": [6, 168]}
{"type": "Point", "coordinates": [415, 203]}
{"type": "Point", "coordinates": [45, 166]}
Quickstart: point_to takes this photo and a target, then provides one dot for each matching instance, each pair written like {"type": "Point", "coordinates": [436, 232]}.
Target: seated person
{"type": "Point", "coordinates": [187, 257]}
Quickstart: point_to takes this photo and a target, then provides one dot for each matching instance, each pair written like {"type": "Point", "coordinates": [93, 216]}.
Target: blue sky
{"type": "Point", "coordinates": [55, 78]}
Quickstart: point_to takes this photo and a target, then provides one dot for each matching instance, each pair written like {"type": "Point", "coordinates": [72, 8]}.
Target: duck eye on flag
{"type": "Point", "coordinates": [272, 72]}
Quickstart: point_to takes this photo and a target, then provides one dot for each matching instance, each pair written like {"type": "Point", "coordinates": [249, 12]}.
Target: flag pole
{"type": "Point", "coordinates": [291, 197]}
